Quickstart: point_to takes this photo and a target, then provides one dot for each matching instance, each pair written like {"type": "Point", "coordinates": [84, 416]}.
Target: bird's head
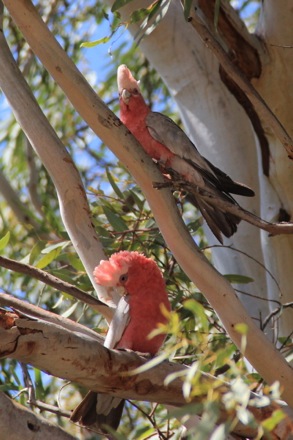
{"type": "Point", "coordinates": [127, 85]}
{"type": "Point", "coordinates": [130, 270]}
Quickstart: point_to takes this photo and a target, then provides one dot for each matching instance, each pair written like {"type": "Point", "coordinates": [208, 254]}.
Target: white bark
{"type": "Point", "coordinates": [223, 133]}
{"type": "Point", "coordinates": [275, 85]}
{"type": "Point", "coordinates": [218, 291]}
{"type": "Point", "coordinates": [18, 422]}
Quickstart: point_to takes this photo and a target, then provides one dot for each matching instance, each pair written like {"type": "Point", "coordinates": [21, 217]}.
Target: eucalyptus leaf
{"type": "Point", "coordinates": [4, 240]}
{"type": "Point", "coordinates": [115, 220]}
{"type": "Point", "coordinates": [48, 258]}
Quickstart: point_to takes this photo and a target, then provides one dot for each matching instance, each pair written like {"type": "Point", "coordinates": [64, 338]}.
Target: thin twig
{"type": "Point", "coordinates": [276, 312]}
{"type": "Point", "coordinates": [150, 419]}
{"type": "Point", "coordinates": [28, 383]}
{"type": "Point", "coordinates": [50, 408]}
{"type": "Point", "coordinates": [237, 76]}
{"type": "Point", "coordinates": [32, 401]}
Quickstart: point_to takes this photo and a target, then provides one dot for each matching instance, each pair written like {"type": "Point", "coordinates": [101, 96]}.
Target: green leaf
{"type": "Point", "coordinates": [119, 4]}
{"type": "Point", "coordinates": [48, 258]}
{"type": "Point", "coordinates": [39, 384]}
{"type": "Point", "coordinates": [94, 43]}
{"type": "Point", "coordinates": [75, 262]}
{"type": "Point", "coordinates": [186, 8]}
{"type": "Point", "coordinates": [139, 15]}
{"type": "Point", "coordinates": [4, 240]}
{"type": "Point", "coordinates": [69, 311]}
{"type": "Point", "coordinates": [62, 245]}
{"type": "Point", "coordinates": [241, 328]}
{"type": "Point", "coordinates": [8, 387]}
{"type": "Point", "coordinates": [198, 310]}
{"type": "Point", "coordinates": [158, 10]}
{"type": "Point", "coordinates": [113, 184]}
{"type": "Point", "coordinates": [274, 420]}
{"type": "Point", "coordinates": [238, 279]}
{"type": "Point", "coordinates": [220, 433]}
{"type": "Point", "coordinates": [115, 221]}
{"type": "Point", "coordinates": [36, 250]}
{"type": "Point", "coordinates": [217, 13]}
{"type": "Point", "coordinates": [140, 202]}
{"type": "Point", "coordinates": [148, 365]}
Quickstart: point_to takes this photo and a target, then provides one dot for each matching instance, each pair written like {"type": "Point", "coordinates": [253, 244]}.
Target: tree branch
{"type": "Point", "coordinates": [259, 350]}
{"type": "Point", "coordinates": [53, 281]}
{"type": "Point", "coordinates": [25, 309]}
{"type": "Point", "coordinates": [67, 354]}
{"type": "Point", "coordinates": [268, 117]}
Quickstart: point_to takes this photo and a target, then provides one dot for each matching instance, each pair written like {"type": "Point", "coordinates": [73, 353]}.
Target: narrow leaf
{"type": "Point", "coordinates": [274, 420]}
{"type": "Point", "coordinates": [62, 245]}
{"type": "Point", "coordinates": [186, 7]}
{"type": "Point", "coordinates": [157, 10]}
{"type": "Point", "coordinates": [115, 221]}
{"type": "Point", "coordinates": [48, 258]}
{"type": "Point", "coordinates": [217, 13]}
{"type": "Point", "coordinates": [148, 365]}
{"type": "Point", "coordinates": [69, 311]}
{"type": "Point", "coordinates": [113, 184]}
{"type": "Point", "coordinates": [241, 328]}
{"type": "Point", "coordinates": [138, 15]}
{"type": "Point", "coordinates": [198, 310]}
{"type": "Point", "coordinates": [35, 252]}
{"type": "Point", "coordinates": [94, 43]}
{"type": "Point", "coordinates": [4, 240]}
{"type": "Point", "coordinates": [119, 4]}
{"type": "Point", "coordinates": [238, 279]}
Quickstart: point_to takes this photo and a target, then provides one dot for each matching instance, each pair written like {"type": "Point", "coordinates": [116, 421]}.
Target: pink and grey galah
{"type": "Point", "coordinates": [165, 142]}
{"type": "Point", "coordinates": [138, 313]}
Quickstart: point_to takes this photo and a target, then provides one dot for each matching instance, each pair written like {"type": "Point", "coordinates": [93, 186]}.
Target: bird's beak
{"type": "Point", "coordinates": [121, 290]}
{"type": "Point", "coordinates": [125, 95]}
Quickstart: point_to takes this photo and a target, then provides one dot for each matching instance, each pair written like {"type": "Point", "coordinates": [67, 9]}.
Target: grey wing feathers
{"type": "Point", "coordinates": [219, 222]}
{"type": "Point", "coordinates": [165, 131]}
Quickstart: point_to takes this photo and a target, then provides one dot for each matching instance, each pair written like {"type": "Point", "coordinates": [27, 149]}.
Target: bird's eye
{"type": "Point", "coordinates": [123, 278]}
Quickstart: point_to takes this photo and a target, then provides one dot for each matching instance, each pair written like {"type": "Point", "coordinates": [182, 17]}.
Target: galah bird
{"type": "Point", "coordinates": [138, 312]}
{"type": "Point", "coordinates": [165, 142]}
